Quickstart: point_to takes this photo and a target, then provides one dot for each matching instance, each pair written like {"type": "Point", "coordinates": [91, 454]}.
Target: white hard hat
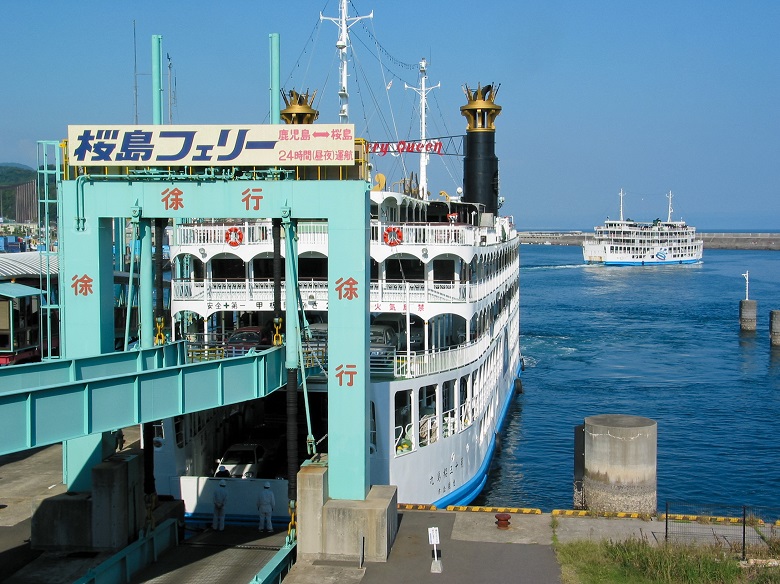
{"type": "Point", "coordinates": [267, 485]}
{"type": "Point", "coordinates": [222, 483]}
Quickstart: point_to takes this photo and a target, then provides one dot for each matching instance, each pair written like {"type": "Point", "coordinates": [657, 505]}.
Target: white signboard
{"type": "Point", "coordinates": [250, 145]}
{"type": "Point", "coordinates": [433, 535]}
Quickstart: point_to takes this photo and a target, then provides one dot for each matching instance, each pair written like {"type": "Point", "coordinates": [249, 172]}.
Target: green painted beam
{"type": "Point", "coordinates": [62, 371]}
{"type": "Point", "coordinates": [38, 416]}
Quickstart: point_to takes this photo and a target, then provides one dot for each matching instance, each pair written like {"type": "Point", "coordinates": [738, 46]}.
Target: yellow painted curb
{"type": "Point", "coordinates": [570, 513]}
{"type": "Point", "coordinates": [517, 510]}
{"type": "Point", "coordinates": [613, 514]}
{"type": "Point", "coordinates": [409, 506]}
{"type": "Point", "coordinates": [707, 519]}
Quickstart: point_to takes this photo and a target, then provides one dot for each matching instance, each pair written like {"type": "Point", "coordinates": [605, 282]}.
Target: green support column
{"type": "Point", "coordinates": [348, 359]}
{"type": "Point", "coordinates": [146, 286]}
{"type": "Point", "coordinates": [86, 286]}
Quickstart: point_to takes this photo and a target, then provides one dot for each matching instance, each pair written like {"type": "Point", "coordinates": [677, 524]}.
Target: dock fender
{"type": "Point", "coordinates": [518, 385]}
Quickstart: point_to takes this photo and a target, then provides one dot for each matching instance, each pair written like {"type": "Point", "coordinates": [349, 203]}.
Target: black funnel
{"type": "Point", "coordinates": [480, 165]}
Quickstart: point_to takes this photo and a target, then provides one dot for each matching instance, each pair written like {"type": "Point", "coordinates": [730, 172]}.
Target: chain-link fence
{"type": "Point", "coordinates": [751, 531]}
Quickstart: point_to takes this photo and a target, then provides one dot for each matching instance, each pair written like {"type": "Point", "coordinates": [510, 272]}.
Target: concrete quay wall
{"type": "Point", "coordinates": [763, 241]}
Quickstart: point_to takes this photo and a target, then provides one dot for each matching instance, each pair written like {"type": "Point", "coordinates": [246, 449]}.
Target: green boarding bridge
{"type": "Point", "coordinates": [92, 390]}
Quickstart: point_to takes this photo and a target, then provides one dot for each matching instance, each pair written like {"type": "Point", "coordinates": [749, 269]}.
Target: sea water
{"type": "Point", "coordinates": [660, 342]}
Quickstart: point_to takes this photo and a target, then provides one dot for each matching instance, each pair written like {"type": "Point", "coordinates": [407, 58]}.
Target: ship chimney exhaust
{"type": "Point", "coordinates": [299, 108]}
{"type": "Point", "coordinates": [480, 165]}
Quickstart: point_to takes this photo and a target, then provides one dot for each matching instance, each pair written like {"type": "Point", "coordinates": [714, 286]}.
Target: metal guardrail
{"type": "Point", "coordinates": [749, 530]}
{"type": "Point", "coordinates": [277, 567]}
{"type": "Point", "coordinates": [126, 563]}
{"type": "Point", "coordinates": [316, 233]}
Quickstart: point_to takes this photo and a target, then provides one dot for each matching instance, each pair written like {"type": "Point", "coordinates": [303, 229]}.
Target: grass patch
{"type": "Point", "coordinates": [637, 562]}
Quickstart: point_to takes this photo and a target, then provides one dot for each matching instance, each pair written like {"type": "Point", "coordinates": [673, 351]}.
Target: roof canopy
{"type": "Point", "coordinates": [14, 290]}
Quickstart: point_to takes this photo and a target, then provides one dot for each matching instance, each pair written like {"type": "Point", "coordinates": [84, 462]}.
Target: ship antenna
{"type": "Point", "coordinates": [135, 78]}
{"type": "Point", "coordinates": [170, 88]}
{"type": "Point", "coordinates": [669, 196]}
{"type": "Point", "coordinates": [422, 91]}
{"type": "Point", "coordinates": [344, 22]}
{"type": "Point", "coordinates": [621, 204]}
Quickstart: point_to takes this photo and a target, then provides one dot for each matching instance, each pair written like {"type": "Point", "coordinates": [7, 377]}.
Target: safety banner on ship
{"type": "Point", "coordinates": [267, 145]}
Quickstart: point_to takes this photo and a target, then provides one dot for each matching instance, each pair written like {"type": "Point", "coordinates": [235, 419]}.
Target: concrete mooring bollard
{"type": "Point", "coordinates": [620, 463]}
{"type": "Point", "coordinates": [747, 315]}
{"type": "Point", "coordinates": [774, 328]}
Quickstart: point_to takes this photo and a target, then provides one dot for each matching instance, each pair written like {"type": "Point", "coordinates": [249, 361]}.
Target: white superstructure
{"type": "Point", "coordinates": [632, 243]}
{"type": "Point", "coordinates": [444, 276]}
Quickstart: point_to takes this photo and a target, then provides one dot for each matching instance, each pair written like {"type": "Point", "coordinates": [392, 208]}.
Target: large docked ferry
{"type": "Point", "coordinates": [625, 242]}
{"type": "Point", "coordinates": [444, 311]}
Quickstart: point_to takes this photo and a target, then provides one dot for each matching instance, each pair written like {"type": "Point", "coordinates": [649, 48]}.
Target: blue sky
{"type": "Point", "coordinates": [597, 96]}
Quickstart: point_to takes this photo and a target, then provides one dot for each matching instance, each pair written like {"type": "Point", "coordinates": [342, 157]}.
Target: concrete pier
{"type": "Point", "coordinates": [747, 315]}
{"type": "Point", "coordinates": [774, 328]}
{"type": "Point", "coordinates": [620, 463]}
{"type": "Point", "coordinates": [343, 530]}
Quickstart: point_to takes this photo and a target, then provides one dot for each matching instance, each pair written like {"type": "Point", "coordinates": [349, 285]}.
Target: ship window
{"type": "Point", "coordinates": [448, 408]}
{"type": "Point", "coordinates": [403, 433]}
{"type": "Point", "coordinates": [178, 430]}
{"type": "Point", "coordinates": [465, 404]}
{"type": "Point", "coordinates": [428, 427]}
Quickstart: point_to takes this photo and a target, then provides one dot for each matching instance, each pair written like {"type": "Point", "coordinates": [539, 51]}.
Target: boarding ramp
{"type": "Point", "coordinates": [47, 403]}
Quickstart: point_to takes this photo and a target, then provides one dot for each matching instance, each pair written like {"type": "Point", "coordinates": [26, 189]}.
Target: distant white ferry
{"type": "Point", "coordinates": [631, 243]}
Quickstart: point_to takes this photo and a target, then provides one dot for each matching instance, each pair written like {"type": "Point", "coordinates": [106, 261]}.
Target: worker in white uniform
{"type": "Point", "coordinates": [220, 500]}
{"type": "Point", "coordinates": [265, 506]}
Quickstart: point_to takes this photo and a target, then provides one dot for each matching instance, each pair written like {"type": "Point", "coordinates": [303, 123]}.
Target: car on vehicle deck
{"type": "Point", "coordinates": [245, 338]}
{"type": "Point", "coordinates": [243, 460]}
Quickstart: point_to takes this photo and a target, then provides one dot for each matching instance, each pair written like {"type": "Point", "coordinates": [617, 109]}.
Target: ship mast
{"type": "Point", "coordinates": [669, 218]}
{"type": "Point", "coordinates": [344, 22]}
{"type": "Point", "coordinates": [621, 204]}
{"type": "Point", "coordinates": [422, 91]}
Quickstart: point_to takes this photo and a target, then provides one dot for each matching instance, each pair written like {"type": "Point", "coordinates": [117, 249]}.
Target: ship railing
{"type": "Point", "coordinates": [390, 363]}
{"type": "Point", "coordinates": [316, 232]}
{"type": "Point", "coordinates": [314, 291]}
{"type": "Point", "coordinates": [416, 364]}
{"type": "Point", "coordinates": [315, 356]}
{"type": "Point", "coordinates": [429, 233]}
{"type": "Point", "coordinates": [196, 354]}
{"type": "Point", "coordinates": [252, 232]}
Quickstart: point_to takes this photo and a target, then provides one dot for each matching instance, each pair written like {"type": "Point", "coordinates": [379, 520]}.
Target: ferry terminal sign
{"type": "Point", "coordinates": [252, 145]}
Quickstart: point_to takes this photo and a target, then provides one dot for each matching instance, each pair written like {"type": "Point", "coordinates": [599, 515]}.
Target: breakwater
{"type": "Point", "coordinates": [764, 241]}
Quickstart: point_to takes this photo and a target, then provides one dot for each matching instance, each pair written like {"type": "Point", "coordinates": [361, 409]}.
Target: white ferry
{"type": "Point", "coordinates": [444, 303]}
{"type": "Point", "coordinates": [630, 243]}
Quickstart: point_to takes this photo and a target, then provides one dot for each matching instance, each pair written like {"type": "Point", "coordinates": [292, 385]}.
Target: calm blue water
{"type": "Point", "coordinates": [660, 342]}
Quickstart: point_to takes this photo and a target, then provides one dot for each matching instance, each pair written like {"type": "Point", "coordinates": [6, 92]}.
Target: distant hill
{"type": "Point", "coordinates": [15, 174]}
{"type": "Point", "coordinates": [12, 174]}
{"type": "Point", "coordinates": [16, 165]}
